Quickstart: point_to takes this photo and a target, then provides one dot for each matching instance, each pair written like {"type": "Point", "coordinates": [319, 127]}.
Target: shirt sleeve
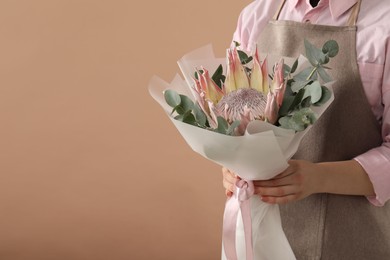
{"type": "Point", "coordinates": [252, 21]}
{"type": "Point", "coordinates": [242, 33]}
{"type": "Point", "coordinates": [376, 162]}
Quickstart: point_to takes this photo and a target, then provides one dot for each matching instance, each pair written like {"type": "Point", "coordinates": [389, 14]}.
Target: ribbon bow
{"type": "Point", "coordinates": [240, 201]}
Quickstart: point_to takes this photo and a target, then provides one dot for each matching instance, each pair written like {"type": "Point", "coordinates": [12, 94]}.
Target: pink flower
{"type": "Point", "coordinates": [259, 76]}
{"type": "Point", "coordinates": [240, 76]}
{"type": "Point", "coordinates": [208, 86]}
{"type": "Point", "coordinates": [241, 98]}
{"type": "Point", "coordinates": [271, 109]}
{"type": "Point", "coordinates": [278, 86]}
{"type": "Point", "coordinates": [245, 120]}
{"type": "Point", "coordinates": [230, 82]}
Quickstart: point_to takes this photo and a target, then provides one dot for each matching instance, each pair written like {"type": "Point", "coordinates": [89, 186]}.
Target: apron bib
{"type": "Point", "coordinates": [327, 226]}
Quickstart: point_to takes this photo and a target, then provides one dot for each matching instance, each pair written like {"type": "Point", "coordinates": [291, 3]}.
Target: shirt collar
{"type": "Point", "coordinates": [337, 7]}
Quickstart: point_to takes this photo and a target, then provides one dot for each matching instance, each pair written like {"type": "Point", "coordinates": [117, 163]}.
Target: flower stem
{"type": "Point", "coordinates": [312, 72]}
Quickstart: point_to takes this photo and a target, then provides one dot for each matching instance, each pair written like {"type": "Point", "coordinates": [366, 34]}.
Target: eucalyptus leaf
{"type": "Point", "coordinates": [297, 100]}
{"type": "Point", "coordinates": [306, 102]}
{"type": "Point", "coordinates": [294, 66]}
{"type": "Point", "coordinates": [286, 70]}
{"type": "Point", "coordinates": [186, 103]}
{"type": "Point", "coordinates": [233, 126]}
{"type": "Point", "coordinates": [314, 91]}
{"type": "Point", "coordinates": [327, 59]}
{"type": "Point", "coordinates": [289, 123]}
{"type": "Point", "coordinates": [222, 125]}
{"type": "Point", "coordinates": [304, 74]}
{"type": "Point", "coordinates": [303, 118]}
{"type": "Point", "coordinates": [299, 120]}
{"type": "Point", "coordinates": [331, 48]}
{"type": "Point", "coordinates": [179, 109]}
{"type": "Point", "coordinates": [298, 85]}
{"type": "Point", "coordinates": [323, 74]}
{"type": "Point", "coordinates": [189, 119]}
{"type": "Point", "coordinates": [200, 116]}
{"type": "Point", "coordinates": [291, 103]}
{"type": "Point", "coordinates": [286, 105]}
{"type": "Point", "coordinates": [313, 54]}
{"type": "Point", "coordinates": [326, 95]}
{"type": "Point", "coordinates": [172, 98]}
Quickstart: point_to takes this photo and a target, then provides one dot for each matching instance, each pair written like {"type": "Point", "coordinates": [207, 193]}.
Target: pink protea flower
{"type": "Point", "coordinates": [259, 76]}
{"type": "Point", "coordinates": [278, 86]}
{"type": "Point", "coordinates": [272, 108]}
{"type": "Point", "coordinates": [241, 97]}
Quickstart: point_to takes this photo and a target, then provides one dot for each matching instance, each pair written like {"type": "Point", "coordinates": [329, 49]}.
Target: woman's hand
{"type": "Point", "coordinates": [229, 180]}
{"type": "Point", "coordinates": [298, 181]}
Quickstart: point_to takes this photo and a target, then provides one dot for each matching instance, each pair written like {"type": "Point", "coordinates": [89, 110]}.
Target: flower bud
{"type": "Point", "coordinates": [271, 109]}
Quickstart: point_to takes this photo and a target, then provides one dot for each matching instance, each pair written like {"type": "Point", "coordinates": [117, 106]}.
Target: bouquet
{"type": "Point", "coordinates": [251, 120]}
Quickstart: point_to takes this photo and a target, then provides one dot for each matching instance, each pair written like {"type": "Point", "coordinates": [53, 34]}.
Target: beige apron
{"type": "Point", "coordinates": [327, 226]}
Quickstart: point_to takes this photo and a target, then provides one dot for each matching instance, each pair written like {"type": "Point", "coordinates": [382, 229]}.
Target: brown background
{"type": "Point", "coordinates": [90, 167]}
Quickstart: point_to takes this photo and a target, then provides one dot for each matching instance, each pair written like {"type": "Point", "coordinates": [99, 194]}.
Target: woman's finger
{"type": "Point", "coordinates": [228, 193]}
{"type": "Point", "coordinates": [280, 200]}
{"type": "Point", "coordinates": [285, 180]}
{"type": "Point", "coordinates": [279, 191]}
{"type": "Point", "coordinates": [228, 185]}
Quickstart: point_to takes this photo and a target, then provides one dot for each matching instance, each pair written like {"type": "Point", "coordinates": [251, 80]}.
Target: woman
{"type": "Point", "coordinates": [347, 152]}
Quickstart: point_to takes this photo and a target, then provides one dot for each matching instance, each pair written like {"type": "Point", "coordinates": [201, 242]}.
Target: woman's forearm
{"type": "Point", "coordinates": [346, 177]}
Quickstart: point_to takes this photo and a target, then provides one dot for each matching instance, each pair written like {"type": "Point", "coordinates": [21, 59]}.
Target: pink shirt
{"type": "Point", "coordinates": [373, 54]}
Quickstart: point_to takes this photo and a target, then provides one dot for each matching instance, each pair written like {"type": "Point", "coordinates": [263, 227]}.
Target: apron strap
{"type": "Point", "coordinates": [351, 21]}
{"type": "Point", "coordinates": [276, 16]}
{"type": "Point", "coordinates": [354, 14]}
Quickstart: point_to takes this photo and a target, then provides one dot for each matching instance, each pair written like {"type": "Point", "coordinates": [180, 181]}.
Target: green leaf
{"type": "Point", "coordinates": [326, 95]}
{"type": "Point", "coordinates": [233, 126]}
{"type": "Point", "coordinates": [286, 105]}
{"type": "Point", "coordinates": [304, 74]}
{"type": "Point", "coordinates": [179, 109]}
{"type": "Point", "coordinates": [294, 66]}
{"type": "Point", "coordinates": [306, 102]}
{"type": "Point", "coordinates": [291, 105]}
{"type": "Point", "coordinates": [331, 48]}
{"type": "Point", "coordinates": [218, 71]}
{"type": "Point", "coordinates": [200, 116]}
{"type": "Point", "coordinates": [326, 60]}
{"type": "Point", "coordinates": [222, 125]}
{"type": "Point", "coordinates": [288, 122]}
{"type": "Point", "coordinates": [196, 74]}
{"type": "Point", "coordinates": [313, 54]}
{"type": "Point", "coordinates": [172, 98]}
{"type": "Point", "coordinates": [244, 58]}
{"type": "Point", "coordinates": [237, 44]}
{"type": "Point", "coordinates": [286, 70]}
{"type": "Point", "coordinates": [299, 120]}
{"type": "Point", "coordinates": [303, 118]}
{"type": "Point", "coordinates": [314, 91]}
{"type": "Point", "coordinates": [186, 103]}
{"type": "Point", "coordinates": [218, 76]}
{"type": "Point", "coordinates": [298, 85]}
{"type": "Point", "coordinates": [187, 117]}
{"type": "Point", "coordinates": [323, 74]}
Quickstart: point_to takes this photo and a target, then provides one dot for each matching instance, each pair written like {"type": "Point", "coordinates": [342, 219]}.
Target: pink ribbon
{"type": "Point", "coordinates": [240, 200]}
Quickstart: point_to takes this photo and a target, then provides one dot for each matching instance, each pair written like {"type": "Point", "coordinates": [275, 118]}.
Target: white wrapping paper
{"type": "Point", "coordinates": [260, 154]}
